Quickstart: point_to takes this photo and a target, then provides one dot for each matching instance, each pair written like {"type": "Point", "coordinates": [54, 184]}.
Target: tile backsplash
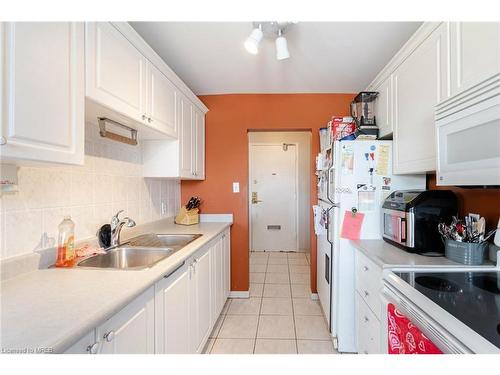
{"type": "Point", "coordinates": [110, 180]}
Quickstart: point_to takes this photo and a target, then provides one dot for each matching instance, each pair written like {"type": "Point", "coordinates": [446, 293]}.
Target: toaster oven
{"type": "Point", "coordinates": [410, 219]}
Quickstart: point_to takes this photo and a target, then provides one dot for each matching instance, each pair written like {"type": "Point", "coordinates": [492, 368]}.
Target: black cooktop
{"type": "Point", "coordinates": [471, 297]}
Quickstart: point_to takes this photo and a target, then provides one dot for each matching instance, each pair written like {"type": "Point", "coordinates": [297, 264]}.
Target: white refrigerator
{"type": "Point", "coordinates": [357, 175]}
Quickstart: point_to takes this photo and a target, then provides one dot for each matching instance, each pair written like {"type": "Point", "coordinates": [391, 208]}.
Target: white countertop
{"type": "Point", "coordinates": [53, 308]}
{"type": "Point", "coordinates": [386, 255]}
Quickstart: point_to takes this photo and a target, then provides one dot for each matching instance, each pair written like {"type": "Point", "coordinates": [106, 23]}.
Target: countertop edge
{"type": "Point", "coordinates": [61, 346]}
{"type": "Point", "coordinates": [360, 246]}
{"type": "Point", "coordinates": [65, 340]}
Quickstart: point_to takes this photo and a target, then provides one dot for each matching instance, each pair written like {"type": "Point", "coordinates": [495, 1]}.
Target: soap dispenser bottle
{"type": "Point", "coordinates": [66, 243]}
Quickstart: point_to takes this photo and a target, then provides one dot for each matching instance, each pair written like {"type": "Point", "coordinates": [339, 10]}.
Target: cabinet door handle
{"type": "Point", "coordinates": [144, 117]}
{"type": "Point", "coordinates": [92, 349]}
{"type": "Point", "coordinates": [173, 271]}
{"type": "Point", "coordinates": [366, 319]}
{"type": "Point", "coordinates": [366, 293]}
{"type": "Point", "coordinates": [3, 141]}
{"type": "Point", "coordinates": [365, 268]}
{"type": "Point", "coordinates": [109, 336]}
{"type": "Point", "coordinates": [150, 120]}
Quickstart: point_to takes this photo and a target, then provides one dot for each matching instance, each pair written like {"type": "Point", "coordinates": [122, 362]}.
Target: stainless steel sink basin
{"type": "Point", "coordinates": [163, 240]}
{"type": "Point", "coordinates": [140, 252]}
{"type": "Point", "coordinates": [127, 258]}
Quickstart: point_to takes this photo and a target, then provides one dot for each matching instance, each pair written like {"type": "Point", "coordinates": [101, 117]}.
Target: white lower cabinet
{"type": "Point", "coordinates": [368, 328]}
{"type": "Point", "coordinates": [200, 300]}
{"type": "Point", "coordinates": [368, 305]}
{"type": "Point", "coordinates": [226, 270]}
{"type": "Point", "coordinates": [175, 316]}
{"type": "Point", "coordinates": [132, 330]}
{"type": "Point", "coordinates": [86, 345]}
{"type": "Point", "coordinates": [172, 312]}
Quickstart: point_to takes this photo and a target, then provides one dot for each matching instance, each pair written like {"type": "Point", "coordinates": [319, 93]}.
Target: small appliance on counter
{"type": "Point", "coordinates": [190, 213]}
{"type": "Point", "coordinates": [410, 219]}
{"type": "Point", "coordinates": [363, 111]}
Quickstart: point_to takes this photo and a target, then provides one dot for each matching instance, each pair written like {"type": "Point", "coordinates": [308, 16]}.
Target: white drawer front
{"type": "Point", "coordinates": [368, 328]}
{"type": "Point", "coordinates": [369, 282]}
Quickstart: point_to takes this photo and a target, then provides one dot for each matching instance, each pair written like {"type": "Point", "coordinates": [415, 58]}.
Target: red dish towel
{"type": "Point", "coordinates": [404, 337]}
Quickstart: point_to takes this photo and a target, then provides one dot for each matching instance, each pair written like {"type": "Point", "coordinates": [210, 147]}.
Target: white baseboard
{"type": "Point", "coordinates": [315, 296]}
{"type": "Point", "coordinates": [239, 294]}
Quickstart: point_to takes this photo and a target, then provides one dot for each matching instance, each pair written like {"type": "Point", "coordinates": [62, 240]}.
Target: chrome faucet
{"type": "Point", "coordinates": [116, 227]}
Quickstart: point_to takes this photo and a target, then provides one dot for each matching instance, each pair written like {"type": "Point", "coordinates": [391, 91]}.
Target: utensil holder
{"type": "Point", "coordinates": [187, 217]}
{"type": "Point", "coordinates": [470, 253]}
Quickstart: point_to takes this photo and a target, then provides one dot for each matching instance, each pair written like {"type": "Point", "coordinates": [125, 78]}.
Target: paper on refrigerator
{"type": "Point", "coordinates": [382, 160]}
{"type": "Point", "coordinates": [319, 228]}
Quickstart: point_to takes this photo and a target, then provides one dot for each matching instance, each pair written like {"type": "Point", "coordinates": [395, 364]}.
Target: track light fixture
{"type": "Point", "coordinates": [253, 40]}
{"type": "Point", "coordinates": [281, 47]}
{"type": "Point", "coordinates": [269, 30]}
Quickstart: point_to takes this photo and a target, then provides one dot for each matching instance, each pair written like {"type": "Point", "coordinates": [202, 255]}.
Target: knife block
{"type": "Point", "coordinates": [188, 217]}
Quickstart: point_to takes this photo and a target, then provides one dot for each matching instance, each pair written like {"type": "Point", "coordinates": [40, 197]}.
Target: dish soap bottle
{"type": "Point", "coordinates": [66, 243]}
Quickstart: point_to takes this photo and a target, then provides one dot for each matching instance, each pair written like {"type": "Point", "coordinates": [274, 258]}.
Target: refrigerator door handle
{"type": "Point", "coordinates": [328, 224]}
{"type": "Point", "coordinates": [328, 179]}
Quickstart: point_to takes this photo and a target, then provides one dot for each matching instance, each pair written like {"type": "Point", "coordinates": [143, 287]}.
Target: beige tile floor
{"type": "Point", "coordinates": [279, 317]}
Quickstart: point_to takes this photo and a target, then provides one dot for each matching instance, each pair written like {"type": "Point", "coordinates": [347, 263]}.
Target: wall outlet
{"type": "Point", "coordinates": [236, 187]}
{"type": "Point", "coordinates": [163, 208]}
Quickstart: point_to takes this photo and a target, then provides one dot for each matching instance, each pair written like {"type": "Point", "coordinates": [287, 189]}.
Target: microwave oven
{"type": "Point", "coordinates": [468, 136]}
{"type": "Point", "coordinates": [410, 219]}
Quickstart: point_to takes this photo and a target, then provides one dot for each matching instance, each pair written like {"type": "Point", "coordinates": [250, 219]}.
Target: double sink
{"type": "Point", "coordinates": [140, 252]}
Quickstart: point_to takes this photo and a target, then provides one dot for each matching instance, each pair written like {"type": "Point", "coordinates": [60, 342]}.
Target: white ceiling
{"type": "Point", "coordinates": [326, 57]}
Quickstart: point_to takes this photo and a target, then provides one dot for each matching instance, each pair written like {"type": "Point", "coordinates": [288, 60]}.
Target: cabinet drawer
{"type": "Point", "coordinates": [368, 328]}
{"type": "Point", "coordinates": [368, 282]}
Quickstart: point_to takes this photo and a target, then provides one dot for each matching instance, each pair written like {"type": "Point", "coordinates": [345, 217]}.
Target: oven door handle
{"type": "Point", "coordinates": [444, 341]}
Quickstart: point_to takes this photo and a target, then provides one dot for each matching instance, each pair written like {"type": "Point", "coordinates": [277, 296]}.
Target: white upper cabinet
{"type": "Point", "coordinates": [162, 102]}
{"type": "Point", "coordinates": [420, 83]}
{"type": "Point", "coordinates": [116, 71]}
{"type": "Point", "coordinates": [42, 91]}
{"type": "Point", "coordinates": [475, 53]}
{"type": "Point", "coordinates": [383, 107]}
{"type": "Point", "coordinates": [186, 137]}
{"type": "Point", "coordinates": [199, 144]}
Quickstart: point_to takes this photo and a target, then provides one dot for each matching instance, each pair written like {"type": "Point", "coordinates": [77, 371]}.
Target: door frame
{"type": "Point", "coordinates": [296, 186]}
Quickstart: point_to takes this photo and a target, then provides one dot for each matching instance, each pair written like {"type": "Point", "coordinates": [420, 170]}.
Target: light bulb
{"type": "Point", "coordinates": [253, 40]}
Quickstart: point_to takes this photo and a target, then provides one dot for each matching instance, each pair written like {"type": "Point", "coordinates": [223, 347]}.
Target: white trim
{"type": "Point", "coordinates": [296, 162]}
{"type": "Point", "coordinates": [216, 218]}
{"type": "Point", "coordinates": [239, 294]}
{"type": "Point", "coordinates": [315, 296]}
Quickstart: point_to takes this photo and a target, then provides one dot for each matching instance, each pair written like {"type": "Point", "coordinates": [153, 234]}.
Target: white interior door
{"type": "Point", "coordinates": [273, 197]}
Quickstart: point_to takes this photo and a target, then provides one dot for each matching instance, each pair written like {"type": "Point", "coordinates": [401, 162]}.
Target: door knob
{"type": "Point", "coordinates": [92, 349]}
{"type": "Point", "coordinates": [255, 200]}
{"type": "Point", "coordinates": [109, 336]}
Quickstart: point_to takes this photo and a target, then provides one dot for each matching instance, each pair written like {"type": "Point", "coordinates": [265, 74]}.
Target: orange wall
{"type": "Point", "coordinates": [485, 202]}
{"type": "Point", "coordinates": [226, 160]}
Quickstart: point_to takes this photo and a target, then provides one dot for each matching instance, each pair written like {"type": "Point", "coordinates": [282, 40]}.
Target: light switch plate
{"type": "Point", "coordinates": [236, 187]}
